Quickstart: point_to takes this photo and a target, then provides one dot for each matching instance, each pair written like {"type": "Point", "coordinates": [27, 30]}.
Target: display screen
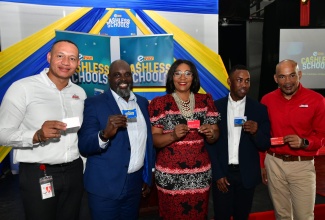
{"type": "Point", "coordinates": [307, 48]}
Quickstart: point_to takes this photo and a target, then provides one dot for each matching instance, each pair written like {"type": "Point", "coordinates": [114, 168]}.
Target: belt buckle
{"type": "Point", "coordinates": [286, 157]}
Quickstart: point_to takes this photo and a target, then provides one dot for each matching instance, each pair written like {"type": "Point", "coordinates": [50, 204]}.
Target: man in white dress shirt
{"type": "Point", "coordinates": [31, 115]}
{"type": "Point", "coordinates": [244, 131]}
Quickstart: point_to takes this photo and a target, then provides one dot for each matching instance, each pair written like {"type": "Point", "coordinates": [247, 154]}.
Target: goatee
{"type": "Point", "coordinates": [124, 93]}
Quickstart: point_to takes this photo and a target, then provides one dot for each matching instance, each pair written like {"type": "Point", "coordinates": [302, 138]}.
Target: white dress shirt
{"type": "Point", "coordinates": [234, 109]}
{"type": "Point", "coordinates": [30, 102]}
{"type": "Point", "coordinates": [137, 131]}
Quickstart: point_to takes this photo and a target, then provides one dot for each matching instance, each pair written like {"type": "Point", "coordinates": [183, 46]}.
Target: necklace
{"type": "Point", "coordinates": [186, 107]}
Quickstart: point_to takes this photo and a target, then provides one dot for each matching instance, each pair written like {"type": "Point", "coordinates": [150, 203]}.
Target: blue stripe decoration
{"type": "Point", "coordinates": [208, 82]}
{"type": "Point", "coordinates": [197, 6]}
{"type": "Point", "coordinates": [36, 62]}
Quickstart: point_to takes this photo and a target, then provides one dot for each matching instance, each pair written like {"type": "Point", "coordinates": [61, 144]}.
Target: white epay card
{"type": "Point", "coordinates": [72, 122]}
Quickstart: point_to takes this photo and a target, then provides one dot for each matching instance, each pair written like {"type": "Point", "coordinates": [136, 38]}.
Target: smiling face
{"type": "Point", "coordinates": [239, 82]}
{"type": "Point", "coordinates": [64, 60]}
{"type": "Point", "coordinates": [287, 77]}
{"type": "Point", "coordinates": [182, 82]}
{"type": "Point", "coordinates": [120, 78]}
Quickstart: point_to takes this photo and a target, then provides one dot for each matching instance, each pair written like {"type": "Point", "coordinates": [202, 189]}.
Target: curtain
{"type": "Point", "coordinates": [194, 6]}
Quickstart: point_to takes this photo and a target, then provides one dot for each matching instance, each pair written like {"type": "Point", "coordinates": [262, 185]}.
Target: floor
{"type": "Point", "coordinates": [11, 207]}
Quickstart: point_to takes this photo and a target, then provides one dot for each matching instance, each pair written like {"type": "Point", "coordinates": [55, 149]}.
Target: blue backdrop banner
{"type": "Point", "coordinates": [150, 58]}
{"type": "Point", "coordinates": [95, 56]}
{"type": "Point", "coordinates": [119, 24]}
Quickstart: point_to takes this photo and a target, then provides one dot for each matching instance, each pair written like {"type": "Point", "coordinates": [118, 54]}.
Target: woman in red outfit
{"type": "Point", "coordinates": [181, 122]}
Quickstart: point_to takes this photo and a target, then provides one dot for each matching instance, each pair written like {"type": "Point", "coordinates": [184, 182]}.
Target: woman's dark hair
{"type": "Point", "coordinates": [195, 86]}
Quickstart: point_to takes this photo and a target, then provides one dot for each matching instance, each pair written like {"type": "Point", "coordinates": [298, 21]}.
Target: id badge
{"type": "Point", "coordinates": [47, 188]}
{"type": "Point", "coordinates": [239, 121]}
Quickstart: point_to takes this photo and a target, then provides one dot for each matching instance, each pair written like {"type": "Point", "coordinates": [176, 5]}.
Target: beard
{"type": "Point", "coordinates": [124, 93]}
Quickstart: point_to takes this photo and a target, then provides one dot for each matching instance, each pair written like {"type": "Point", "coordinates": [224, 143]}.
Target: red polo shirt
{"type": "Point", "coordinates": [303, 115]}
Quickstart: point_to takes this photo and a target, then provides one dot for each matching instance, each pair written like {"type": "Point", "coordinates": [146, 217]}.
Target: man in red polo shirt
{"type": "Point", "coordinates": [297, 117]}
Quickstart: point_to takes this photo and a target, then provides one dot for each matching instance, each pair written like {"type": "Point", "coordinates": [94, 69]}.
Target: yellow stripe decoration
{"type": "Point", "coordinates": [149, 89]}
{"type": "Point", "coordinates": [138, 23]}
{"type": "Point", "coordinates": [17, 53]}
{"type": "Point", "coordinates": [4, 151]}
{"type": "Point", "coordinates": [100, 24]}
{"type": "Point", "coordinates": [204, 55]}
{"type": "Point", "coordinates": [201, 90]}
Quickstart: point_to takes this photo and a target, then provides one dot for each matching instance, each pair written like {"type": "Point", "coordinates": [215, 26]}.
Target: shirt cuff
{"type": "Point", "coordinates": [101, 143]}
{"type": "Point", "coordinates": [27, 138]}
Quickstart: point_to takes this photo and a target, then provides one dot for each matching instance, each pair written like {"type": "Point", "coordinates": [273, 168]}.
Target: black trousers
{"type": "Point", "coordinates": [68, 188]}
{"type": "Point", "coordinates": [237, 202]}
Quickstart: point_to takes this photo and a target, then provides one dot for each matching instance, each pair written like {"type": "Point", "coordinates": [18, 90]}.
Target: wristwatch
{"type": "Point", "coordinates": [305, 143]}
{"type": "Point", "coordinates": [101, 135]}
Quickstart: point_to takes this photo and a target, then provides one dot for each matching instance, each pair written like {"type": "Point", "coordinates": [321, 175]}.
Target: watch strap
{"type": "Point", "coordinates": [305, 143]}
{"type": "Point", "coordinates": [101, 136]}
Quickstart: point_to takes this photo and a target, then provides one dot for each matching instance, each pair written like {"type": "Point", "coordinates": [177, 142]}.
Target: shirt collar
{"type": "Point", "coordinates": [118, 98]}
{"type": "Point", "coordinates": [243, 100]}
{"type": "Point", "coordinates": [49, 82]}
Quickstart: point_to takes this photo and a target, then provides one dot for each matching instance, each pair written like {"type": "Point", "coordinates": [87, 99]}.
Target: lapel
{"type": "Point", "coordinates": [144, 109]}
{"type": "Point", "coordinates": [111, 103]}
{"type": "Point", "coordinates": [224, 120]}
{"type": "Point", "coordinates": [245, 114]}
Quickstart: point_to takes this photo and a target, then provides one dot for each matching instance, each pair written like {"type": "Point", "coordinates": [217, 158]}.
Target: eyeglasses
{"type": "Point", "coordinates": [186, 73]}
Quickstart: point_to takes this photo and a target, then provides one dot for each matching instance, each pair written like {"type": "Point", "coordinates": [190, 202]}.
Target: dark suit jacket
{"type": "Point", "coordinates": [106, 169]}
{"type": "Point", "coordinates": [249, 145]}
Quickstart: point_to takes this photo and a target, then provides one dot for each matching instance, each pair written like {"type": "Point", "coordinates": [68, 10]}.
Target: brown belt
{"type": "Point", "coordinates": [290, 157]}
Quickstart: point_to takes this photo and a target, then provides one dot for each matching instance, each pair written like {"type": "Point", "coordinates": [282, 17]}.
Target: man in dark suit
{"type": "Point", "coordinates": [116, 139]}
{"type": "Point", "coordinates": [244, 131]}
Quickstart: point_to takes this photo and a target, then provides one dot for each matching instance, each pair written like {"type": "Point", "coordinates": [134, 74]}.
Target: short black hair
{"type": "Point", "coordinates": [116, 62]}
{"type": "Point", "coordinates": [68, 41]}
{"type": "Point", "coordinates": [236, 67]}
{"type": "Point", "coordinates": [195, 86]}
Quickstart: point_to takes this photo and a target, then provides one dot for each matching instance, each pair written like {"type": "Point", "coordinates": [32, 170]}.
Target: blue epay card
{"type": "Point", "coordinates": [130, 113]}
{"type": "Point", "coordinates": [239, 121]}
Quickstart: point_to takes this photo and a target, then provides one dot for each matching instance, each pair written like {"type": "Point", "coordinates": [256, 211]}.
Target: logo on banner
{"type": "Point", "coordinates": [150, 58]}
{"type": "Point", "coordinates": [119, 24]}
{"type": "Point", "coordinates": [316, 61]}
{"type": "Point", "coordinates": [147, 72]}
{"type": "Point", "coordinates": [90, 72]}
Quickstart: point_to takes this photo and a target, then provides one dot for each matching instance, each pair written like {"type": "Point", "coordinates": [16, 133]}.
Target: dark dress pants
{"type": "Point", "coordinates": [237, 202]}
{"type": "Point", "coordinates": [68, 188]}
